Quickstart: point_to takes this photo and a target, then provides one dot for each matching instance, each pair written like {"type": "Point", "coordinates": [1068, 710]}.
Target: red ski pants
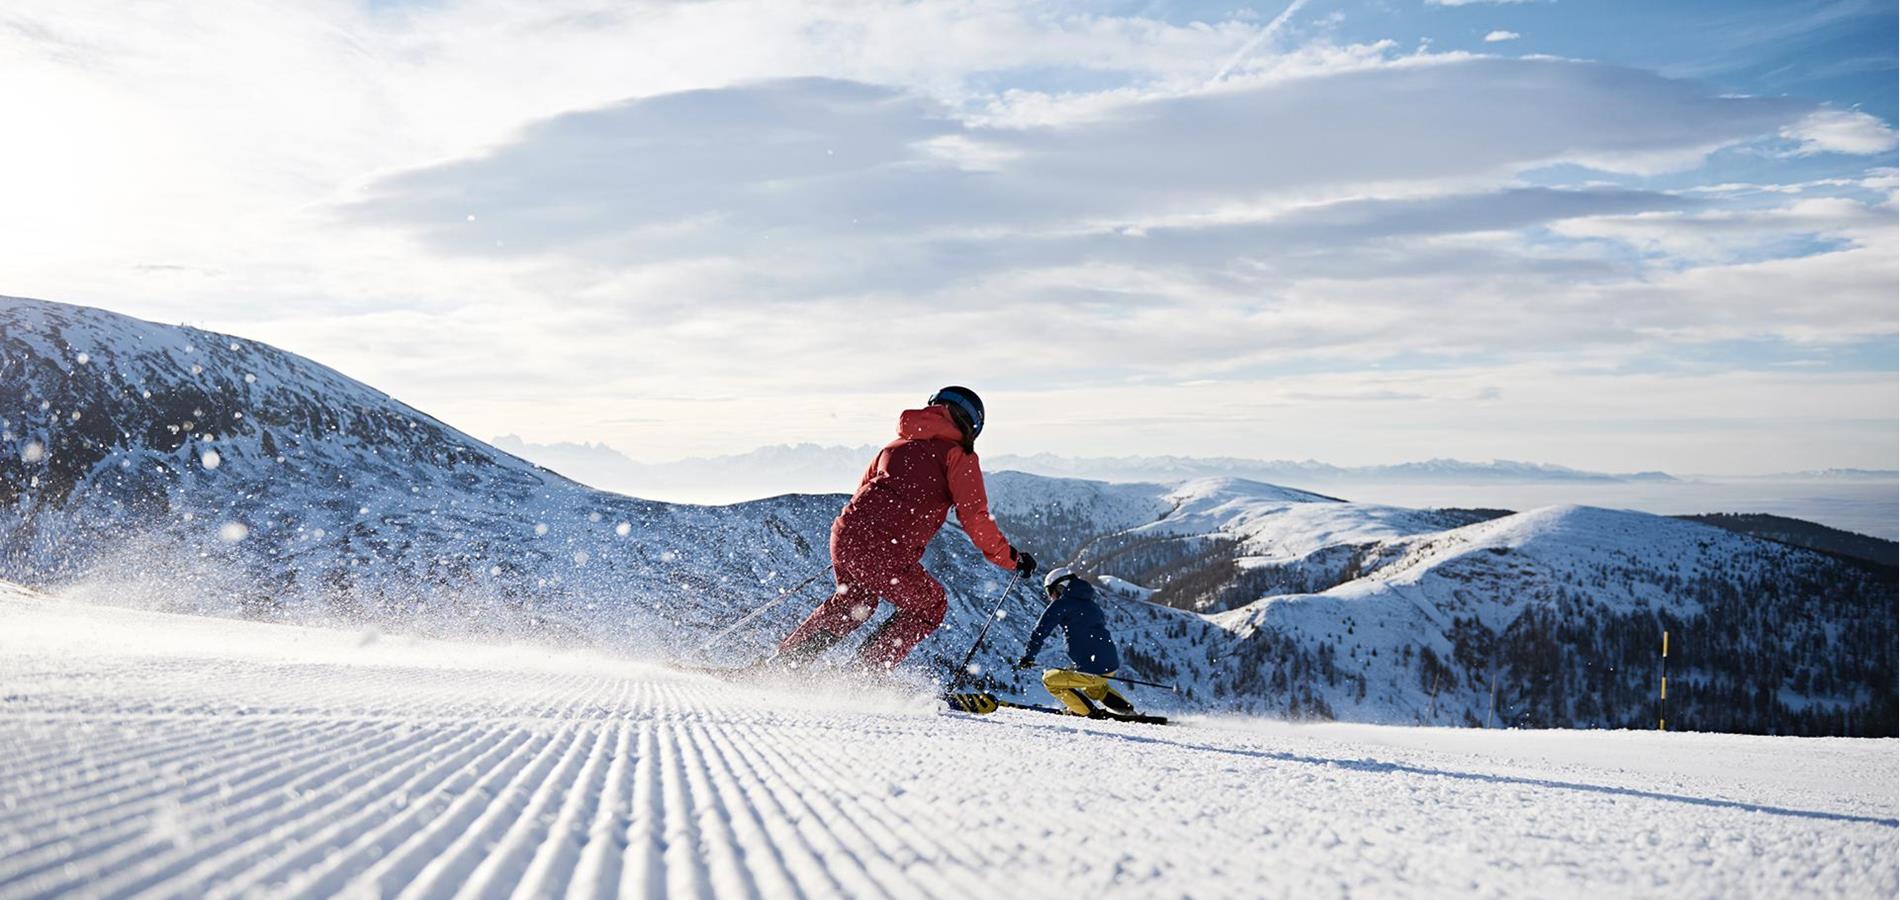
{"type": "Point", "coordinates": [867, 571]}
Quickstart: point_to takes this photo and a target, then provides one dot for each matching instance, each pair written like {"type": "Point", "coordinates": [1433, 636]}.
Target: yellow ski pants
{"type": "Point", "coordinates": [1066, 684]}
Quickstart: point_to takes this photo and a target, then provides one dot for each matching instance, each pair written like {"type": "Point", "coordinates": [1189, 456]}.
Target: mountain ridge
{"type": "Point", "coordinates": [607, 463]}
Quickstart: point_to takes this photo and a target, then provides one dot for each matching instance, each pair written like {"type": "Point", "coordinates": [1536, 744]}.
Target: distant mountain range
{"type": "Point", "coordinates": [168, 466]}
{"type": "Point", "coordinates": [813, 467]}
{"type": "Point", "coordinates": [1859, 500]}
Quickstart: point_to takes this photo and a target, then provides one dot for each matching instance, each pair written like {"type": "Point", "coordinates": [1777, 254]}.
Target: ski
{"type": "Point", "coordinates": [982, 703]}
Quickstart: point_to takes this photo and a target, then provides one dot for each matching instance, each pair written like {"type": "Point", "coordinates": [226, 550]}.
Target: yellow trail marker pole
{"type": "Point", "coordinates": [1662, 692]}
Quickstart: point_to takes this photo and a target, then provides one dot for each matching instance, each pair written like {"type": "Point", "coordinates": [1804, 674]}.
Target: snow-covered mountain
{"type": "Point", "coordinates": [1206, 544]}
{"type": "Point", "coordinates": [219, 475]}
{"type": "Point", "coordinates": [1556, 616]}
{"type": "Point", "coordinates": [199, 472]}
{"type": "Point", "coordinates": [1329, 608]}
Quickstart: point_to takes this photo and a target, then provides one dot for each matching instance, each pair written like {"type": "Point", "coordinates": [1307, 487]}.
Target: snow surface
{"type": "Point", "coordinates": [152, 753]}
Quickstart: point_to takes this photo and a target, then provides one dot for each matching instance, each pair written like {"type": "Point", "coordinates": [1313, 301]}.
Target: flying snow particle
{"type": "Point", "coordinates": [33, 452]}
{"type": "Point", "coordinates": [540, 528]}
{"type": "Point", "coordinates": [593, 517]}
{"type": "Point", "coordinates": [318, 534]}
{"type": "Point", "coordinates": [197, 369]}
{"type": "Point", "coordinates": [249, 378]}
{"type": "Point", "coordinates": [623, 529]}
{"type": "Point", "coordinates": [494, 570]}
{"type": "Point", "coordinates": [580, 557]}
{"type": "Point", "coordinates": [146, 394]}
{"type": "Point", "coordinates": [211, 459]}
{"type": "Point", "coordinates": [667, 556]}
{"type": "Point", "coordinates": [233, 532]}
{"type": "Point", "coordinates": [1002, 614]}
{"type": "Point", "coordinates": [234, 345]}
{"type": "Point", "coordinates": [362, 510]}
{"type": "Point", "coordinates": [84, 358]}
{"type": "Point", "coordinates": [75, 415]}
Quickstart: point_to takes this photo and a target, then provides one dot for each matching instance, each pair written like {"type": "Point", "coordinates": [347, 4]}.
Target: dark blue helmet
{"type": "Point", "coordinates": [965, 401]}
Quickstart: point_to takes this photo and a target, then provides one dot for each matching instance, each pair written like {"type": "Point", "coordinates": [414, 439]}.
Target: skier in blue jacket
{"type": "Point", "coordinates": [1092, 653]}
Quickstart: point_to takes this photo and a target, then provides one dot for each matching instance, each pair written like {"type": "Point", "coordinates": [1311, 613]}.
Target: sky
{"type": "Point", "coordinates": [1618, 236]}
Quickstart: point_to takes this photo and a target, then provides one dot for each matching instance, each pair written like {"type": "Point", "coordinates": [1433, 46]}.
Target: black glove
{"type": "Point", "coordinates": [1025, 565]}
{"type": "Point", "coordinates": [1026, 663]}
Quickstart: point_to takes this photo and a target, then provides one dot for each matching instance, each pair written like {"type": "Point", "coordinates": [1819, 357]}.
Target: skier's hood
{"type": "Point", "coordinates": [929, 423]}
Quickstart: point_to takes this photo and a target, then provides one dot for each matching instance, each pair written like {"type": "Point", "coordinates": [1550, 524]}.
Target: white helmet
{"type": "Point", "coordinates": [1056, 577]}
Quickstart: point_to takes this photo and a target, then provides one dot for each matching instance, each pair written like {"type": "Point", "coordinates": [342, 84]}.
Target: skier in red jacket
{"type": "Point", "coordinates": [877, 543]}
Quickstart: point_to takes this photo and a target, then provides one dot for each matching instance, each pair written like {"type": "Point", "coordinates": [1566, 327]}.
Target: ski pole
{"type": "Point", "coordinates": [963, 670]}
{"type": "Point", "coordinates": [1165, 687]}
{"type": "Point", "coordinates": [761, 610]}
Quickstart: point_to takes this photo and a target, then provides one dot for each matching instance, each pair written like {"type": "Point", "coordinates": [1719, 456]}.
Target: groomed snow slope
{"type": "Point", "coordinates": [177, 756]}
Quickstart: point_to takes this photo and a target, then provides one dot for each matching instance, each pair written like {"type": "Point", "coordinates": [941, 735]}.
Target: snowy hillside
{"type": "Point", "coordinates": [164, 755]}
{"type": "Point", "coordinates": [1329, 609]}
{"type": "Point", "coordinates": [1554, 617]}
{"type": "Point", "coordinates": [190, 471]}
{"type": "Point", "coordinates": [1205, 544]}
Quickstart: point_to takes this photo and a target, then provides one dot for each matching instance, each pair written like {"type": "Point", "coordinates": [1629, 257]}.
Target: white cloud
{"type": "Point", "coordinates": [1737, 235]}
{"type": "Point", "coordinates": [1849, 131]}
{"type": "Point", "coordinates": [822, 160]}
{"type": "Point", "coordinates": [746, 221]}
{"type": "Point", "coordinates": [1501, 35]}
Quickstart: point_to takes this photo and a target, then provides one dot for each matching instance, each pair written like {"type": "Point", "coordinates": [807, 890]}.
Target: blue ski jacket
{"type": "Point", "coordinates": [1077, 614]}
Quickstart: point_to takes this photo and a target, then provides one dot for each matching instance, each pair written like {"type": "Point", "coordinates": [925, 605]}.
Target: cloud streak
{"type": "Point", "coordinates": [712, 170]}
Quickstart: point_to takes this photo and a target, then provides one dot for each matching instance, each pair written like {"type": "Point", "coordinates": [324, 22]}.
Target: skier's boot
{"type": "Point", "coordinates": [1080, 704]}
{"type": "Point", "coordinates": [972, 702]}
{"type": "Point", "coordinates": [1116, 705]}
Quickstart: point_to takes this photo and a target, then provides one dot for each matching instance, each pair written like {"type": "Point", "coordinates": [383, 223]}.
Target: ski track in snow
{"type": "Point", "coordinates": [144, 754]}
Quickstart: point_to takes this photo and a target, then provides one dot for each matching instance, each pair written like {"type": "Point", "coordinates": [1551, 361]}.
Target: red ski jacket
{"type": "Point", "coordinates": [910, 487]}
